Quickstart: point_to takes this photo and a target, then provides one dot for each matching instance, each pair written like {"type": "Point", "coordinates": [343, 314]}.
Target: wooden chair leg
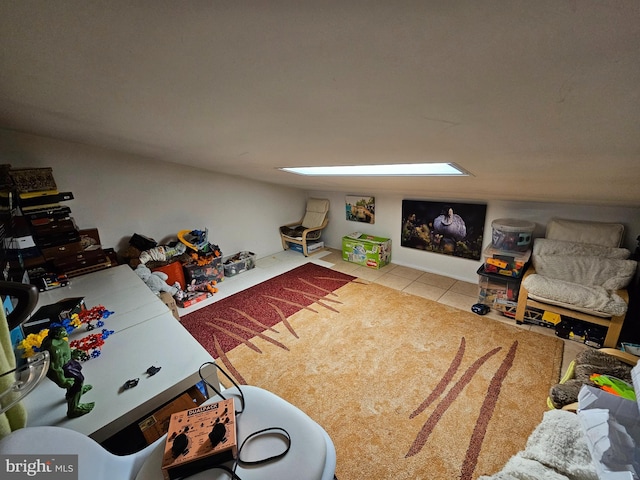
{"type": "Point", "coordinates": [285, 245]}
{"type": "Point", "coordinates": [613, 332]}
{"type": "Point", "coordinates": [522, 305]}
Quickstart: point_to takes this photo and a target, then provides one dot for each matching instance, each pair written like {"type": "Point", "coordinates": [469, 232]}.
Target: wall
{"type": "Point", "coordinates": [123, 194]}
{"type": "Point", "coordinates": [389, 218]}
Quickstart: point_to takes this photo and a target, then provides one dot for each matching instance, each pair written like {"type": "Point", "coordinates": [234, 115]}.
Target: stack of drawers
{"type": "Point", "coordinates": [60, 246]}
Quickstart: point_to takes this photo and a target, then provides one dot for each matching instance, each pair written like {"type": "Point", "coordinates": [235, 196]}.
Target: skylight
{"type": "Point", "coordinates": [391, 170]}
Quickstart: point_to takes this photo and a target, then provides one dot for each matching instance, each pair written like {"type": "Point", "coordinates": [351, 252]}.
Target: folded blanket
{"type": "Point", "coordinates": [609, 273]}
{"type": "Point", "coordinates": [581, 297]}
{"type": "Point", "coordinates": [583, 264]}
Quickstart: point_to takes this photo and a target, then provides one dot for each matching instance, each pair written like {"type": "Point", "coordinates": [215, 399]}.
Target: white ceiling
{"type": "Point", "coordinates": [539, 100]}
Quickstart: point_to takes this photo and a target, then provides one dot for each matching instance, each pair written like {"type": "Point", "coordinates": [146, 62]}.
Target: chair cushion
{"type": "Point", "coordinates": [598, 233]}
{"type": "Point", "coordinates": [316, 212]}
{"type": "Point", "coordinates": [296, 233]}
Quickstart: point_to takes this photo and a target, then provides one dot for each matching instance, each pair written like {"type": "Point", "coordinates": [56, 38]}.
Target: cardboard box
{"type": "Point", "coordinates": [191, 298]}
{"type": "Point", "coordinates": [33, 179]}
{"type": "Point", "coordinates": [170, 302]}
{"type": "Point", "coordinates": [157, 424]}
{"type": "Point", "coordinates": [366, 250]}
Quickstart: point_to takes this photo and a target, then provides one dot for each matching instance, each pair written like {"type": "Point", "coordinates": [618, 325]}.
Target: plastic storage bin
{"type": "Point", "coordinates": [174, 272]}
{"type": "Point", "coordinates": [212, 271]}
{"type": "Point", "coordinates": [512, 234]}
{"type": "Point", "coordinates": [501, 262]}
{"type": "Point", "coordinates": [497, 291]}
{"type": "Point", "coordinates": [238, 263]}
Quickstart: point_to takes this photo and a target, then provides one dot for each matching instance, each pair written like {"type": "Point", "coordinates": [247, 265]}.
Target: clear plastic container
{"type": "Point", "coordinates": [238, 263]}
{"type": "Point", "coordinates": [511, 234]}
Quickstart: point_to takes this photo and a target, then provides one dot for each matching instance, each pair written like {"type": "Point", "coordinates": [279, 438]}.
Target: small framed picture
{"type": "Point", "coordinates": [361, 208]}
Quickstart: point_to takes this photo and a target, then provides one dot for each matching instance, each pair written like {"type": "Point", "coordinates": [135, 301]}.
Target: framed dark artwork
{"type": "Point", "coordinates": [449, 228]}
{"type": "Point", "coordinates": [360, 208]}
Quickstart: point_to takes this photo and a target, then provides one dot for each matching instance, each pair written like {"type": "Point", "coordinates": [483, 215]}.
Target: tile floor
{"type": "Point", "coordinates": [434, 287]}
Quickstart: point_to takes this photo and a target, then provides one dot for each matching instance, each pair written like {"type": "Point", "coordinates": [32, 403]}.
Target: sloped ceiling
{"type": "Point", "coordinates": [539, 100]}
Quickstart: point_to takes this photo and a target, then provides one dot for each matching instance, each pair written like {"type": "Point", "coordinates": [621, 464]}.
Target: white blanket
{"type": "Point", "coordinates": [584, 264]}
{"type": "Point", "coordinates": [556, 450]}
{"type": "Point", "coordinates": [580, 297]}
{"type": "Point", "coordinates": [610, 273]}
{"type": "Point", "coordinates": [546, 246]}
{"type": "Point", "coordinates": [580, 276]}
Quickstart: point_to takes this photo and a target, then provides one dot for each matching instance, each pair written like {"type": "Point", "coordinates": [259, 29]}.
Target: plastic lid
{"type": "Point", "coordinates": [513, 225]}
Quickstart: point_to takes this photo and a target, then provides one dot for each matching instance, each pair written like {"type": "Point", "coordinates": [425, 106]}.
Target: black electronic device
{"type": "Point", "coordinates": [200, 438]}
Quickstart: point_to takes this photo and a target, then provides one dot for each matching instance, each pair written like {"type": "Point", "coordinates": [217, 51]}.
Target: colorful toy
{"type": "Point", "coordinates": [66, 372]}
{"type": "Point", "coordinates": [588, 362]}
{"type": "Point", "coordinates": [614, 386]}
{"type": "Point", "coordinates": [196, 240]}
{"type": "Point", "coordinates": [209, 286]}
{"type": "Point", "coordinates": [202, 260]}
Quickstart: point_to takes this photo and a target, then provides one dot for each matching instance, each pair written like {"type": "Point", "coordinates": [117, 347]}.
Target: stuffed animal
{"type": "Point", "coordinates": [156, 281]}
{"type": "Point", "coordinates": [586, 363]}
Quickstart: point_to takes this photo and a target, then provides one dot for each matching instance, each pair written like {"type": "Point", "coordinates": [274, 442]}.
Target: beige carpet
{"type": "Point", "coordinates": [407, 388]}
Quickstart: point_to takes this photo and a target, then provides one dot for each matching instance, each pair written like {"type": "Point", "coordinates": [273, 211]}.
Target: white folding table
{"type": "Point", "coordinates": [145, 334]}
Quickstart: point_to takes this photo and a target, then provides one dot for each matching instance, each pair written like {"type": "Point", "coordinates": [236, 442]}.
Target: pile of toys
{"type": "Point", "coordinates": [187, 269]}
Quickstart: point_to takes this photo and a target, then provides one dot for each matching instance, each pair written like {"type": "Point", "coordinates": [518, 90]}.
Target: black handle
{"type": "Point", "coordinates": [27, 296]}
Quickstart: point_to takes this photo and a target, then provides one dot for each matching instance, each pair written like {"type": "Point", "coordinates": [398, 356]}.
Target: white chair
{"type": "Point", "coordinates": [94, 462]}
{"type": "Point", "coordinates": [311, 455]}
{"type": "Point", "coordinates": [309, 228]}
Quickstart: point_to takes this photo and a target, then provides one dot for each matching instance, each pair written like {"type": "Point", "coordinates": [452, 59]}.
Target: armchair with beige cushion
{"type": "Point", "coordinates": [309, 228]}
{"type": "Point", "coordinates": [580, 271]}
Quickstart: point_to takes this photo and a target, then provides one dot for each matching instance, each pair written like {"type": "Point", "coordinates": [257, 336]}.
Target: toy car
{"type": "Point", "coordinates": [480, 308]}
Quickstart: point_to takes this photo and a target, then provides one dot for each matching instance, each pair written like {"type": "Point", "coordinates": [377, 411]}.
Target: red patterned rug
{"type": "Point", "coordinates": [237, 319]}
